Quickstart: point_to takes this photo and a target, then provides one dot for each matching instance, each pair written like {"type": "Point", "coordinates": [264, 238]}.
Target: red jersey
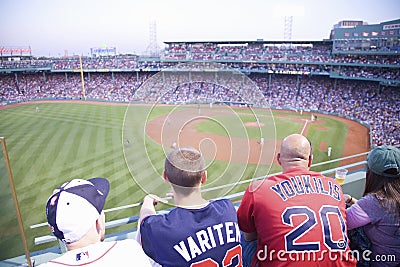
{"type": "Point", "coordinates": [299, 217]}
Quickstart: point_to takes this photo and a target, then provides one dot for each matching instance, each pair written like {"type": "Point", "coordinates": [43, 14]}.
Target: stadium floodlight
{"type": "Point", "coordinates": [153, 49]}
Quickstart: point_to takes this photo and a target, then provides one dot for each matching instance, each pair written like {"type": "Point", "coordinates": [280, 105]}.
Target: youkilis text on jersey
{"type": "Point", "coordinates": [306, 184]}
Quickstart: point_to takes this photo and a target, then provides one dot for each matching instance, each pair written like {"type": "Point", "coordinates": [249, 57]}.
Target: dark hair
{"type": "Point", "coordinates": [386, 190]}
{"type": "Point", "coordinates": [184, 167]}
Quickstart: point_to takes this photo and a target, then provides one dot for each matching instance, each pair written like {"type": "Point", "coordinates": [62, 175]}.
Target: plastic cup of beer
{"type": "Point", "coordinates": [340, 175]}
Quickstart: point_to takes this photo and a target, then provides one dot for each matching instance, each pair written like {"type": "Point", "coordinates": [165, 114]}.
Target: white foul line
{"type": "Point", "coordinates": [304, 127]}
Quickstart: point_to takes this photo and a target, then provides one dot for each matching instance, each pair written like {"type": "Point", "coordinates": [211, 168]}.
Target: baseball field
{"type": "Point", "coordinates": [49, 143]}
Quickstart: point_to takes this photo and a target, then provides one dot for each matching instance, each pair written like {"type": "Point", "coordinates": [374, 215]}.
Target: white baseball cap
{"type": "Point", "coordinates": [75, 206]}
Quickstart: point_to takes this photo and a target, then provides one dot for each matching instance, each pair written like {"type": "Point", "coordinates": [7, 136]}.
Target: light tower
{"type": "Point", "coordinates": [153, 49]}
{"type": "Point", "coordinates": [288, 12]}
{"type": "Point", "coordinates": [287, 30]}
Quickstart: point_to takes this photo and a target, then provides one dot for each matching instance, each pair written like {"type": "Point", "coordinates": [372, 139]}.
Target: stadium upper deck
{"type": "Point", "coordinates": [315, 58]}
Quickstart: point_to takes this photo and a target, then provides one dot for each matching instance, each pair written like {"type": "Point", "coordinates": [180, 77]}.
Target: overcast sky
{"type": "Point", "coordinates": [51, 27]}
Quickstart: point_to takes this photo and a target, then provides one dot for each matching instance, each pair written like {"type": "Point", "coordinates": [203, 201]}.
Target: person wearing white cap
{"type": "Point", "coordinates": [75, 216]}
{"type": "Point", "coordinates": [378, 211]}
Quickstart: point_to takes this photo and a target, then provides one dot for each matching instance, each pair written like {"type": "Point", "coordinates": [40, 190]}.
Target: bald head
{"type": "Point", "coordinates": [295, 152]}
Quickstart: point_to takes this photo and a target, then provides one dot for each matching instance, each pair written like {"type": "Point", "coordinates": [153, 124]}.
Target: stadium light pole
{"type": "Point", "coordinates": [288, 12]}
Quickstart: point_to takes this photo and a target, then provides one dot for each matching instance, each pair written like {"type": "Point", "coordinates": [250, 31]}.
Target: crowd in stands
{"type": "Point", "coordinates": [363, 59]}
{"type": "Point", "coordinates": [201, 92]}
{"type": "Point", "coordinates": [365, 101]}
{"type": "Point", "coordinates": [111, 86]}
{"type": "Point", "coordinates": [112, 62]}
{"type": "Point", "coordinates": [346, 48]}
{"type": "Point", "coordinates": [25, 63]}
{"type": "Point", "coordinates": [362, 72]}
{"type": "Point", "coordinates": [272, 58]}
{"type": "Point", "coordinates": [214, 51]}
{"type": "Point", "coordinates": [117, 78]}
{"type": "Point", "coordinates": [72, 63]}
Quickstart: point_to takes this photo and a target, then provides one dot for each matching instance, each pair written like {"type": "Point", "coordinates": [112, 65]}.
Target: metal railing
{"type": "Point", "coordinates": [357, 167]}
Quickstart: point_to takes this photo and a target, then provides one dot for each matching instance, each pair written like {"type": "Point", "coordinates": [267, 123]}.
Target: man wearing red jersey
{"type": "Point", "coordinates": [297, 217]}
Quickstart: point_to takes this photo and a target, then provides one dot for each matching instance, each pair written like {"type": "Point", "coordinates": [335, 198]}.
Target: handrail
{"type": "Point", "coordinates": [234, 196]}
{"type": "Point", "coordinates": [339, 159]}
{"type": "Point", "coordinates": [115, 223]}
{"type": "Point", "coordinates": [239, 183]}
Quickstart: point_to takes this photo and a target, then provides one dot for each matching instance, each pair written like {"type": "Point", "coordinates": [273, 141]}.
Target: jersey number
{"type": "Point", "coordinates": [310, 222]}
{"type": "Point", "coordinates": [227, 261]}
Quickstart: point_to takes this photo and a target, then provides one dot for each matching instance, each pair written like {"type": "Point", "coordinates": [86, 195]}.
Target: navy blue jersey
{"type": "Point", "coordinates": [208, 236]}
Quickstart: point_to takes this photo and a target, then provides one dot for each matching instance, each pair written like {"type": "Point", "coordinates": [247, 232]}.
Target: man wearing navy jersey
{"type": "Point", "coordinates": [197, 232]}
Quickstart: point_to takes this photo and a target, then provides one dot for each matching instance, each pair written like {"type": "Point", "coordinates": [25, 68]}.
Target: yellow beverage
{"type": "Point", "coordinates": [340, 175]}
{"type": "Point", "coordinates": [340, 180]}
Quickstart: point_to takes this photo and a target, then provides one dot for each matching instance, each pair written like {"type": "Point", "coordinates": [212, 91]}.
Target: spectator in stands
{"type": "Point", "coordinates": [378, 211]}
{"type": "Point", "coordinates": [297, 217]}
{"type": "Point", "coordinates": [75, 215]}
{"type": "Point", "coordinates": [197, 232]}
{"type": "Point", "coordinates": [366, 101]}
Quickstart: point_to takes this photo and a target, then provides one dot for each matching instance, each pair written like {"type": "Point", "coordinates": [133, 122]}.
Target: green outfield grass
{"type": "Point", "coordinates": [66, 141]}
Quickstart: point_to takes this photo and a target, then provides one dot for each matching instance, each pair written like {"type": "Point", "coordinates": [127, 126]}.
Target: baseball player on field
{"type": "Point", "coordinates": [197, 232]}
{"type": "Point", "coordinates": [296, 218]}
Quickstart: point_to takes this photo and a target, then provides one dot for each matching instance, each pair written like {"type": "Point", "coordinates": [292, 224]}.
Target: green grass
{"type": "Point", "coordinates": [334, 135]}
{"type": "Point", "coordinates": [62, 142]}
{"type": "Point", "coordinates": [66, 141]}
{"type": "Point", "coordinates": [11, 244]}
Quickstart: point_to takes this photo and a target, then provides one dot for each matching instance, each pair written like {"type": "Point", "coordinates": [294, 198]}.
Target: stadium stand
{"type": "Point", "coordinates": [363, 100]}
{"type": "Point", "coordinates": [322, 76]}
